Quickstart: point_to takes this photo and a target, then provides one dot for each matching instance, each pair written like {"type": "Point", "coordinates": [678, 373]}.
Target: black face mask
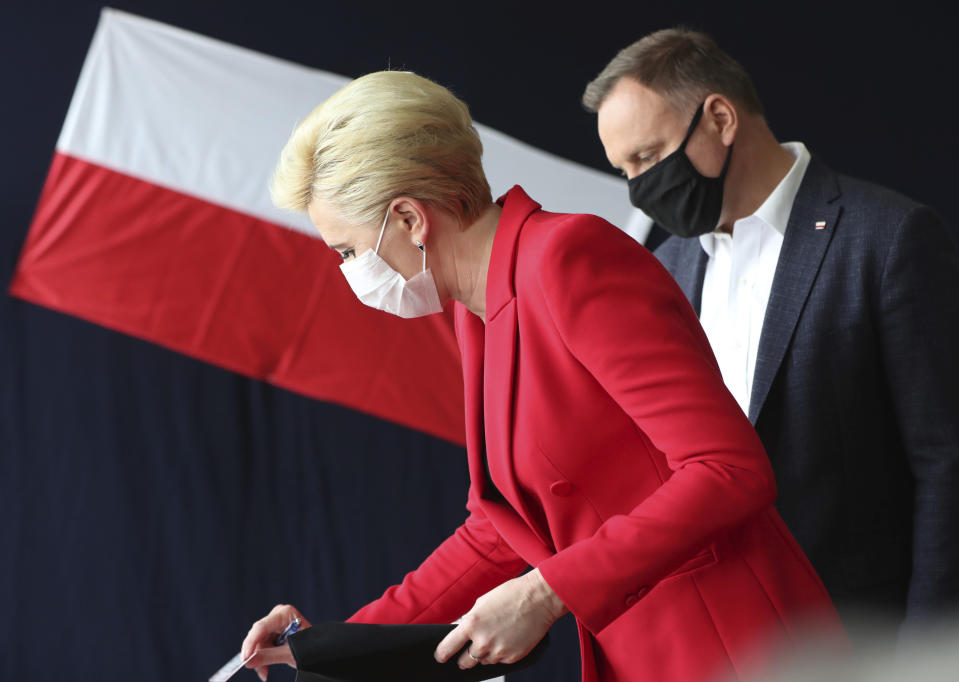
{"type": "Point", "coordinates": [676, 195]}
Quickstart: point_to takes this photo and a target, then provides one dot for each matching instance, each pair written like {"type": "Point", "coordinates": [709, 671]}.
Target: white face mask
{"type": "Point", "coordinates": [379, 286]}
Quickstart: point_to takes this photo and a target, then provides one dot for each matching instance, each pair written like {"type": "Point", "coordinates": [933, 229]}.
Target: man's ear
{"type": "Point", "coordinates": [721, 117]}
{"type": "Point", "coordinates": [412, 216]}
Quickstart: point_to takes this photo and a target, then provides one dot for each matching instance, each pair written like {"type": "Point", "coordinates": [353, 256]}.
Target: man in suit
{"type": "Point", "coordinates": [832, 306]}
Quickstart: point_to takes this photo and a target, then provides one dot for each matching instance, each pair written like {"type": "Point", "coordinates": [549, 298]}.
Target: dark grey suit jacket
{"type": "Point", "coordinates": [856, 391]}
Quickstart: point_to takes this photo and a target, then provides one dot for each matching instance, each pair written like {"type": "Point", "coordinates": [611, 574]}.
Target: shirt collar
{"type": "Point", "coordinates": [778, 205]}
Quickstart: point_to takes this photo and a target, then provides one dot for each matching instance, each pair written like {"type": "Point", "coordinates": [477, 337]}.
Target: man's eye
{"type": "Point", "coordinates": [349, 253]}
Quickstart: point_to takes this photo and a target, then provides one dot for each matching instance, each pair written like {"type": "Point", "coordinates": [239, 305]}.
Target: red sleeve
{"type": "Point", "coordinates": [471, 562]}
{"type": "Point", "coordinates": [624, 318]}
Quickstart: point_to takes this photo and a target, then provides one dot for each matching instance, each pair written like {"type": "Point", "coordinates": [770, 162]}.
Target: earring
{"type": "Point", "coordinates": [420, 246]}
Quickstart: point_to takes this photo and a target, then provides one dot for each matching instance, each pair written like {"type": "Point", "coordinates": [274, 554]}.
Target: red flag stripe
{"type": "Point", "coordinates": [231, 289]}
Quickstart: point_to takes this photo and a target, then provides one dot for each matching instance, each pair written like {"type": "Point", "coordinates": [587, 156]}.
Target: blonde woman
{"type": "Point", "coordinates": [604, 450]}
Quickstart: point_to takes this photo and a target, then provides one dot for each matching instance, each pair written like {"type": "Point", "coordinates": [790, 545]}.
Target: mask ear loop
{"type": "Point", "coordinates": [422, 247]}
{"type": "Point", "coordinates": [692, 126]}
{"type": "Point", "coordinates": [382, 230]}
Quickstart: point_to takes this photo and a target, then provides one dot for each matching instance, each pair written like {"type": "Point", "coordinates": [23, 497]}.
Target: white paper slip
{"type": "Point", "coordinates": [230, 668]}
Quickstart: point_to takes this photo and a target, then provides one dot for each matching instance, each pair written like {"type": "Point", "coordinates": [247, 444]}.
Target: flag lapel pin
{"type": "Point", "coordinates": [820, 224]}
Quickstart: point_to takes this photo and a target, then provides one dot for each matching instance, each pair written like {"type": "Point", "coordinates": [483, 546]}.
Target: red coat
{"type": "Point", "coordinates": [623, 468]}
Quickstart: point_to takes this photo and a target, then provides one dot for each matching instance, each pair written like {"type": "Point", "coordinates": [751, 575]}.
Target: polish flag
{"type": "Point", "coordinates": [155, 220]}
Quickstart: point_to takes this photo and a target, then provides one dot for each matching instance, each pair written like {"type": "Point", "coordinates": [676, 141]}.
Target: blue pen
{"type": "Point", "coordinates": [281, 638]}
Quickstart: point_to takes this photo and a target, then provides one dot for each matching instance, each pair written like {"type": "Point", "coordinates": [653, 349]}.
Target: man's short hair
{"type": "Point", "coordinates": [682, 65]}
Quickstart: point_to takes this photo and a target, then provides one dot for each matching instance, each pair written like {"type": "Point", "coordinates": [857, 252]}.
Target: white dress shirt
{"type": "Point", "coordinates": [739, 276]}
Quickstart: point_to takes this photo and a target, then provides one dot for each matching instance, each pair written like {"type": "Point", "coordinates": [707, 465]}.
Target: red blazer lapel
{"type": "Point", "coordinates": [498, 376]}
{"type": "Point", "coordinates": [513, 526]}
{"type": "Point", "coordinates": [500, 289]}
{"type": "Point", "coordinates": [500, 352]}
{"type": "Point", "coordinates": [471, 332]}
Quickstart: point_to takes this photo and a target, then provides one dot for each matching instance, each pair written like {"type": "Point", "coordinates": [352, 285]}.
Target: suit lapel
{"type": "Point", "coordinates": [814, 218]}
{"type": "Point", "coordinates": [690, 271]}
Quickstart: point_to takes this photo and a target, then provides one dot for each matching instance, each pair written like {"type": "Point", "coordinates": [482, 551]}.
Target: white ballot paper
{"type": "Point", "coordinates": [230, 668]}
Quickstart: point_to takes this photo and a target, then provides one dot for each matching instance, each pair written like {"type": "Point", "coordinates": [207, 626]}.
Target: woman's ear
{"type": "Point", "coordinates": [721, 117]}
{"type": "Point", "coordinates": [413, 218]}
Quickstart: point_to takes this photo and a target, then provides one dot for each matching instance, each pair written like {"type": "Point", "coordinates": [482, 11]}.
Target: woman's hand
{"type": "Point", "coordinates": [260, 640]}
{"type": "Point", "coordinates": [505, 623]}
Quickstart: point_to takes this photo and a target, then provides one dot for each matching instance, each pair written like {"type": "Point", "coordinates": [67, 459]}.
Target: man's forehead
{"type": "Point", "coordinates": [635, 119]}
{"type": "Point", "coordinates": [629, 101]}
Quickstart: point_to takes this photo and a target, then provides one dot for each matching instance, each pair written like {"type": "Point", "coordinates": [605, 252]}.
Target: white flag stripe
{"type": "Point", "coordinates": [208, 119]}
{"type": "Point", "coordinates": [559, 185]}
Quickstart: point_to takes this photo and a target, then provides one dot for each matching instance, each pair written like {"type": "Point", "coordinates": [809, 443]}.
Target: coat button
{"type": "Point", "coordinates": [561, 488]}
{"type": "Point", "coordinates": [631, 600]}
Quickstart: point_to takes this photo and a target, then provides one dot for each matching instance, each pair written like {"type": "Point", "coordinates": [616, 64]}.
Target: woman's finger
{"type": "Point", "coordinates": [453, 642]}
{"type": "Point", "coordinates": [271, 656]}
{"type": "Point", "coordinates": [251, 641]}
{"type": "Point", "coordinates": [467, 660]}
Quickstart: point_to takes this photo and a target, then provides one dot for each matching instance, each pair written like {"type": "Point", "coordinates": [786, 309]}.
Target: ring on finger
{"type": "Point", "coordinates": [470, 654]}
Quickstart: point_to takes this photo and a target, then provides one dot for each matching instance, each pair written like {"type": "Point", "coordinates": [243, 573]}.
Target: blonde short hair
{"type": "Point", "coordinates": [384, 135]}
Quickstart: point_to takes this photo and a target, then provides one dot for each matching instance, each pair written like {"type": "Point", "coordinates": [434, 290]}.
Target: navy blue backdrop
{"type": "Point", "coordinates": [152, 506]}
